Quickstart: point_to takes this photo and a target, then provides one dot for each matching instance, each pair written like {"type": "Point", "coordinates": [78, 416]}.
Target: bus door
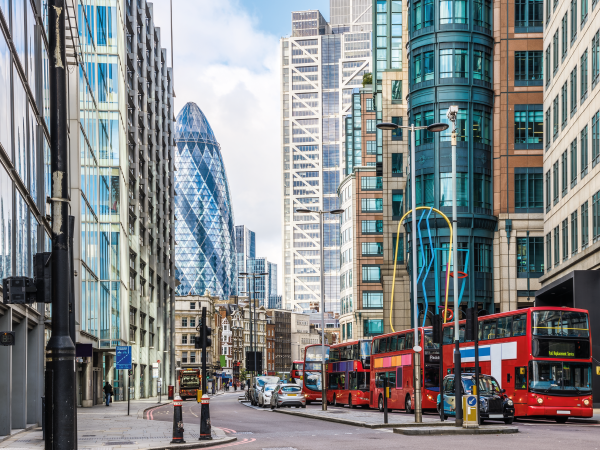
{"type": "Point", "coordinates": [520, 391]}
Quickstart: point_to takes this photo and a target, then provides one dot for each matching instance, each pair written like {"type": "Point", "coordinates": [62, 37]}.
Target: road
{"type": "Point", "coordinates": [263, 429]}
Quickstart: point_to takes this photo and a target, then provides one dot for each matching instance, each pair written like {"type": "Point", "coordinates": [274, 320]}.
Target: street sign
{"type": "Point", "coordinates": [123, 358]}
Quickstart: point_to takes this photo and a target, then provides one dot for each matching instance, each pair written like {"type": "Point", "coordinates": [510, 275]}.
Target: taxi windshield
{"type": "Point", "coordinates": [487, 385]}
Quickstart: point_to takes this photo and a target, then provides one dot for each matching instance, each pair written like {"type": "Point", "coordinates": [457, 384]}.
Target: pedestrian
{"type": "Point", "coordinates": [230, 385]}
{"type": "Point", "coordinates": [108, 391]}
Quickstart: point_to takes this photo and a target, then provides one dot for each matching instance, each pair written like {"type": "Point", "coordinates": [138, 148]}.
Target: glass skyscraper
{"type": "Point", "coordinates": [321, 64]}
{"type": "Point", "coordinates": [205, 233]}
{"type": "Point", "coordinates": [245, 245]}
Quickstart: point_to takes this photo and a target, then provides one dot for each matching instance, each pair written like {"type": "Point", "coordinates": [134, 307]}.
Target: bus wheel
{"type": "Point", "coordinates": [350, 405]}
{"type": "Point", "coordinates": [408, 405]}
{"type": "Point", "coordinates": [334, 400]}
{"type": "Point", "coordinates": [380, 403]}
{"type": "Point", "coordinates": [561, 419]}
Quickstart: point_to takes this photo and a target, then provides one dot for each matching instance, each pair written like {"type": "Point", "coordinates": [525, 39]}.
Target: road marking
{"type": "Point", "coordinates": [245, 441]}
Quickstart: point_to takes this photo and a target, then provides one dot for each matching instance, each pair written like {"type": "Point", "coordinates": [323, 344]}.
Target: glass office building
{"type": "Point", "coordinates": [205, 234]}
{"type": "Point", "coordinates": [245, 245]}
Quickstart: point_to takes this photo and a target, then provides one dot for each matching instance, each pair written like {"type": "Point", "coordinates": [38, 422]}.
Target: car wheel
{"type": "Point", "coordinates": [509, 421]}
{"type": "Point", "coordinates": [380, 404]}
{"type": "Point", "coordinates": [303, 406]}
{"type": "Point", "coordinates": [408, 405]}
{"type": "Point", "coordinates": [272, 407]}
{"type": "Point", "coordinates": [561, 419]}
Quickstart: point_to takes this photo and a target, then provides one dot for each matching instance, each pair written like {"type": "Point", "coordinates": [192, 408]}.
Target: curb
{"type": "Point", "coordinates": [153, 407]}
{"type": "Point", "coordinates": [448, 431]}
{"type": "Point", "coordinates": [24, 430]}
{"type": "Point", "coordinates": [357, 423]}
{"type": "Point", "coordinates": [198, 444]}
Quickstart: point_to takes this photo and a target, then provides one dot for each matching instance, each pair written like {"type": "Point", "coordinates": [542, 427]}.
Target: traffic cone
{"type": "Point", "coordinates": [177, 422]}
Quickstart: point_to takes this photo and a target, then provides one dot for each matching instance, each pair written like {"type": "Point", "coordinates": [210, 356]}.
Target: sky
{"type": "Point", "coordinates": [226, 59]}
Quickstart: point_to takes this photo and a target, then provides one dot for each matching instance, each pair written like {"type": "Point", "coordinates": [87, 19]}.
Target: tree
{"type": "Point", "coordinates": [367, 79]}
{"type": "Point", "coordinates": [243, 375]}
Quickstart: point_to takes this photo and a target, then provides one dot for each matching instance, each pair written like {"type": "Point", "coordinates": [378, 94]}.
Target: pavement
{"type": "Point", "coordinates": [107, 428]}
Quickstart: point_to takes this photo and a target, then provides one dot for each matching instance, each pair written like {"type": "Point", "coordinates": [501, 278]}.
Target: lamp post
{"type": "Point", "coordinates": [434, 128]}
{"type": "Point", "coordinates": [248, 275]}
{"type": "Point", "coordinates": [322, 307]}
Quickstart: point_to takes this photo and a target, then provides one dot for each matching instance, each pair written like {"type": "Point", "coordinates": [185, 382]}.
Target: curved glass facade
{"type": "Point", "coordinates": [204, 230]}
{"type": "Point", "coordinates": [450, 63]}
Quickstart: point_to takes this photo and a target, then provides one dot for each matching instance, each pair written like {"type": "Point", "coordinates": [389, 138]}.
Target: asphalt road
{"type": "Point", "coordinates": [263, 429]}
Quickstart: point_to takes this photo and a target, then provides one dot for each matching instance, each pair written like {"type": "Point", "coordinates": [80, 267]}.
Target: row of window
{"type": "Point", "coordinates": [576, 20]}
{"type": "Point", "coordinates": [481, 127]}
{"type": "Point", "coordinates": [482, 185]}
{"type": "Point", "coordinates": [454, 63]}
{"type": "Point", "coordinates": [451, 12]}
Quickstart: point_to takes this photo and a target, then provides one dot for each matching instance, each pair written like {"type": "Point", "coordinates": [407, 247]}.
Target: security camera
{"type": "Point", "coordinates": [452, 112]}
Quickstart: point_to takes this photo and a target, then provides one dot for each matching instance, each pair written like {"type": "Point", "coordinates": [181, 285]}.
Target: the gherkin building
{"type": "Point", "coordinates": [204, 230]}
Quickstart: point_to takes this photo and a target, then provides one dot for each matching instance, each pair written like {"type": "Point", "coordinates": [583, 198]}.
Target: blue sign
{"type": "Point", "coordinates": [471, 401]}
{"type": "Point", "coordinates": [123, 358]}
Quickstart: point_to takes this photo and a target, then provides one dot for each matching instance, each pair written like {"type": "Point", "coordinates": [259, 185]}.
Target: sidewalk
{"type": "Point", "coordinates": [107, 428]}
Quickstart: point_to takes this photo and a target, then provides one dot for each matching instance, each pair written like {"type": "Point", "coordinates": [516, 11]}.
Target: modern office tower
{"type": "Point", "coordinates": [149, 171]}
{"type": "Point", "coordinates": [271, 279]}
{"type": "Point", "coordinates": [320, 65]}
{"type": "Point", "coordinates": [263, 287]}
{"type": "Point", "coordinates": [361, 195]}
{"type": "Point", "coordinates": [245, 246]}
{"type": "Point", "coordinates": [24, 183]}
{"type": "Point", "coordinates": [206, 254]}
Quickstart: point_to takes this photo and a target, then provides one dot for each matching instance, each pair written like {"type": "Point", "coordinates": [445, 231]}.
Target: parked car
{"type": "Point", "coordinates": [258, 383]}
{"type": "Point", "coordinates": [264, 395]}
{"type": "Point", "coordinates": [493, 404]}
{"type": "Point", "coordinates": [288, 395]}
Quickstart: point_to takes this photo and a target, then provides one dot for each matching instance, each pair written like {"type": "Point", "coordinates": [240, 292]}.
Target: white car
{"type": "Point", "coordinates": [264, 395]}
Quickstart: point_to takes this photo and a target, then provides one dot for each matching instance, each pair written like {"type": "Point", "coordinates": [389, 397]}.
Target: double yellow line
{"type": "Point", "coordinates": [415, 264]}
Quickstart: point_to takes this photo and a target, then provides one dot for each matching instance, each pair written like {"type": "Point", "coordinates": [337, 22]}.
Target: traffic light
{"type": "Point", "coordinates": [207, 335]}
{"type": "Point", "coordinates": [198, 341]}
{"type": "Point", "coordinates": [24, 290]}
{"type": "Point", "coordinates": [436, 325]}
{"type": "Point", "coordinates": [472, 324]}
{"type": "Point", "coordinates": [7, 338]}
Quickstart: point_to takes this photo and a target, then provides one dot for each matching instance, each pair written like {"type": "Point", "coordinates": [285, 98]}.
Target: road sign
{"type": "Point", "coordinates": [123, 358]}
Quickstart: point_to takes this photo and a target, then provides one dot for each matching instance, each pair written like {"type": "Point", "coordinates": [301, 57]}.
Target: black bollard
{"type": "Point", "coordinates": [205, 430]}
{"type": "Point", "coordinates": [177, 422]}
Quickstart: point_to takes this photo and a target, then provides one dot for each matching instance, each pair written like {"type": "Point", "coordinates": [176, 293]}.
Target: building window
{"type": "Point", "coordinates": [528, 14]}
{"type": "Point", "coordinates": [372, 299]}
{"type": "Point", "coordinates": [372, 327]}
{"type": "Point", "coordinates": [462, 187]}
{"type": "Point", "coordinates": [372, 249]}
{"type": "Point", "coordinates": [555, 182]}
{"type": "Point", "coordinates": [482, 127]}
{"type": "Point", "coordinates": [563, 173]}
{"type": "Point", "coordinates": [423, 136]}
{"type": "Point", "coordinates": [555, 52]}
{"type": "Point", "coordinates": [482, 13]}
{"type": "Point", "coordinates": [400, 243]}
{"type": "Point", "coordinates": [397, 210]}
{"type": "Point", "coordinates": [584, 11]}
{"type": "Point", "coordinates": [372, 205]}
{"type": "Point", "coordinates": [453, 11]}
{"type": "Point", "coordinates": [595, 139]}
{"type": "Point", "coordinates": [423, 67]}
{"type": "Point", "coordinates": [548, 191]}
{"type": "Point", "coordinates": [528, 68]}
{"type": "Point", "coordinates": [424, 190]}
{"type": "Point", "coordinates": [548, 66]}
{"type": "Point", "coordinates": [372, 227]}
{"type": "Point", "coordinates": [563, 104]}
{"type": "Point", "coordinates": [529, 127]}
{"type": "Point", "coordinates": [483, 258]}
{"type": "Point", "coordinates": [583, 148]}
{"type": "Point", "coordinates": [369, 104]}
{"type": "Point", "coordinates": [596, 216]}
{"type": "Point", "coordinates": [530, 257]}
{"type": "Point", "coordinates": [193, 322]}
{"type": "Point", "coordinates": [482, 66]}
{"type": "Point", "coordinates": [192, 305]}
{"type": "Point", "coordinates": [556, 247]}
{"type": "Point", "coordinates": [184, 357]}
{"type": "Point", "coordinates": [595, 58]}
{"type": "Point", "coordinates": [574, 90]}
{"type": "Point", "coordinates": [397, 169]}
{"type": "Point", "coordinates": [184, 322]}
{"type": "Point", "coordinates": [549, 251]}
{"type": "Point", "coordinates": [454, 63]}
{"type": "Point", "coordinates": [371, 126]}
{"type": "Point", "coordinates": [528, 189]}
{"type": "Point", "coordinates": [461, 127]}
{"type": "Point", "coordinates": [555, 117]}
{"type": "Point", "coordinates": [585, 236]}
{"type": "Point", "coordinates": [192, 357]}
{"type": "Point", "coordinates": [371, 147]}
{"type": "Point", "coordinates": [371, 274]}
{"type": "Point", "coordinates": [583, 78]}
{"type": "Point", "coordinates": [398, 133]}
{"type": "Point", "coordinates": [564, 30]}
{"type": "Point", "coordinates": [482, 185]}
{"type": "Point", "coordinates": [349, 330]}
{"type": "Point", "coordinates": [574, 230]}
{"type": "Point", "coordinates": [397, 91]}
{"type": "Point", "coordinates": [184, 339]}
{"type": "Point", "coordinates": [573, 163]}
{"type": "Point", "coordinates": [548, 130]}
{"type": "Point", "coordinates": [574, 21]}
{"type": "Point", "coordinates": [565, 239]}
{"type": "Point", "coordinates": [423, 14]}
{"type": "Point", "coordinates": [371, 183]}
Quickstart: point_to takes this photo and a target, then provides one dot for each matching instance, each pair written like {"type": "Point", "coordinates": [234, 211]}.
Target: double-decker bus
{"type": "Point", "coordinates": [311, 372]}
{"type": "Point", "coordinates": [392, 357]}
{"type": "Point", "coordinates": [349, 373]}
{"type": "Point", "coordinates": [541, 357]}
{"type": "Point", "coordinates": [296, 372]}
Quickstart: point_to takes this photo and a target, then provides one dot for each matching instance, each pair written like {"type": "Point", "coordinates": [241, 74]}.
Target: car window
{"type": "Point", "coordinates": [290, 388]}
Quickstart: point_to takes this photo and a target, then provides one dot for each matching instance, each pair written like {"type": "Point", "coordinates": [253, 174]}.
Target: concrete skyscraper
{"type": "Point", "coordinates": [321, 63]}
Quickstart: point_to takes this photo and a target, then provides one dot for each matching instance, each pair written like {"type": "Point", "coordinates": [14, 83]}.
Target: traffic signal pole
{"type": "Point", "coordinates": [203, 357]}
{"type": "Point", "coordinates": [60, 351]}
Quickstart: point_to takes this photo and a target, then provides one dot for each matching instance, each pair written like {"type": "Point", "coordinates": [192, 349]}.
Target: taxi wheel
{"type": "Point", "coordinates": [380, 404]}
{"type": "Point", "coordinates": [408, 405]}
{"type": "Point", "coordinates": [509, 421]}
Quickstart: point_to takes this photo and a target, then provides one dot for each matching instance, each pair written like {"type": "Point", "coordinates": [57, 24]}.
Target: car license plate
{"type": "Point", "coordinates": [496, 416]}
{"type": "Point", "coordinates": [563, 412]}
{"type": "Point", "coordinates": [292, 395]}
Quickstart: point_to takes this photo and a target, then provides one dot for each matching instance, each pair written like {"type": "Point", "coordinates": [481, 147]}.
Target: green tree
{"type": "Point", "coordinates": [243, 375]}
{"type": "Point", "coordinates": [367, 79]}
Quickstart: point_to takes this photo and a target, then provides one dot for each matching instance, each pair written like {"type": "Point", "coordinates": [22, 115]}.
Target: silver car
{"type": "Point", "coordinates": [264, 395]}
{"type": "Point", "coordinates": [288, 395]}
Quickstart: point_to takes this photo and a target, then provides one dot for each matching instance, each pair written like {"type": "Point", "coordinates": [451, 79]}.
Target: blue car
{"type": "Point", "coordinates": [493, 404]}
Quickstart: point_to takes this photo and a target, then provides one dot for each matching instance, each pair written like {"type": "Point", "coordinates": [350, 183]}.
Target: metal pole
{"type": "Point", "coordinates": [254, 319]}
{"type": "Point", "coordinates": [323, 381]}
{"type": "Point", "coordinates": [128, 389]}
{"type": "Point", "coordinates": [413, 194]}
{"type": "Point", "coordinates": [457, 371]}
{"type": "Point", "coordinates": [203, 344]}
{"type": "Point", "coordinates": [60, 351]}
{"type": "Point", "coordinates": [250, 308]}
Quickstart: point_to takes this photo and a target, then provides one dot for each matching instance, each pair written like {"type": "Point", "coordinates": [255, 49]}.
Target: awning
{"type": "Point", "coordinates": [226, 376]}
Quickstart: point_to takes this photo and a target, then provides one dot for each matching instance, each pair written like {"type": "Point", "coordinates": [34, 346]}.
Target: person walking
{"type": "Point", "coordinates": [108, 391]}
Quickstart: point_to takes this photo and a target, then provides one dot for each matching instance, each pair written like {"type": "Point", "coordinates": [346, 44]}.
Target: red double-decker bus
{"type": "Point", "coordinates": [392, 357]}
{"type": "Point", "coordinates": [349, 373]}
{"type": "Point", "coordinates": [296, 372]}
{"type": "Point", "coordinates": [541, 357]}
{"type": "Point", "coordinates": [311, 372]}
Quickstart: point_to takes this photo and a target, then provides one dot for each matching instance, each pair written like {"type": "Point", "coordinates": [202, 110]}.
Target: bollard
{"type": "Point", "coordinates": [205, 430]}
{"type": "Point", "coordinates": [177, 421]}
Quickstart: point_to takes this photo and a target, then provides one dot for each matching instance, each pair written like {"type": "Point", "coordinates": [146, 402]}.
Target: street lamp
{"type": "Point", "coordinates": [254, 276]}
{"type": "Point", "coordinates": [322, 307]}
{"type": "Point", "coordinates": [434, 128]}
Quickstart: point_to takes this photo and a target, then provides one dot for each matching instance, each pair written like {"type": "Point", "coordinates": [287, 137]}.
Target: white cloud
{"type": "Point", "coordinates": [229, 67]}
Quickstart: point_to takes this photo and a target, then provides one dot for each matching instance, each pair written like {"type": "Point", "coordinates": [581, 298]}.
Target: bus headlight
{"type": "Point", "coordinates": [586, 402]}
{"type": "Point", "coordinates": [540, 400]}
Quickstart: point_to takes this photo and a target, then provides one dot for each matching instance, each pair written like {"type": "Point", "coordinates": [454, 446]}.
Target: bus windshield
{"type": "Point", "coordinates": [314, 353]}
{"type": "Point", "coordinates": [429, 344]}
{"type": "Point", "coordinates": [297, 366]}
{"type": "Point", "coordinates": [560, 377]}
{"type": "Point", "coordinates": [365, 349]}
{"type": "Point", "coordinates": [312, 380]}
{"type": "Point", "coordinates": [560, 323]}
